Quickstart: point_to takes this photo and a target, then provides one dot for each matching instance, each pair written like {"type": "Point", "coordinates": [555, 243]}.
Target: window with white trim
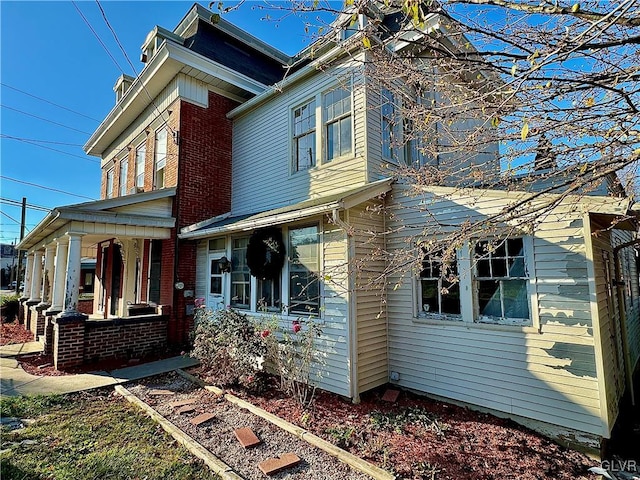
{"type": "Point", "coordinates": [390, 124]}
{"type": "Point", "coordinates": [124, 169]}
{"type": "Point", "coordinates": [269, 294]}
{"type": "Point", "coordinates": [110, 178]}
{"type": "Point", "coordinates": [160, 158]}
{"type": "Point", "coordinates": [304, 266]}
{"type": "Point", "coordinates": [438, 287]}
{"type": "Point", "coordinates": [304, 136]}
{"type": "Point", "coordinates": [501, 282]}
{"type": "Point", "coordinates": [337, 117]}
{"type": "Point", "coordinates": [141, 153]}
{"type": "Point", "coordinates": [240, 275]}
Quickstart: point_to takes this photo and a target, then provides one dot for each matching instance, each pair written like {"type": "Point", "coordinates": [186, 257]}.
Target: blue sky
{"type": "Point", "coordinates": [48, 51]}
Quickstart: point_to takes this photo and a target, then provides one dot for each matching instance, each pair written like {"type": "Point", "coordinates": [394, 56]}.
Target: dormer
{"type": "Point", "coordinates": [122, 85]}
{"type": "Point", "coordinates": [154, 40]}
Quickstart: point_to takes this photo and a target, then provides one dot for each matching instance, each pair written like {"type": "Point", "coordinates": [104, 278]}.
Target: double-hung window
{"type": "Point", "coordinates": [390, 125]}
{"type": "Point", "coordinates": [160, 158]}
{"type": "Point", "coordinates": [337, 115]}
{"type": "Point", "coordinates": [501, 282]}
{"type": "Point", "coordinates": [141, 153]}
{"type": "Point", "coordinates": [304, 265]}
{"type": "Point", "coordinates": [124, 169]}
{"type": "Point", "coordinates": [240, 275]}
{"type": "Point", "coordinates": [109, 185]}
{"type": "Point", "coordinates": [439, 287]}
{"type": "Point", "coordinates": [304, 136]}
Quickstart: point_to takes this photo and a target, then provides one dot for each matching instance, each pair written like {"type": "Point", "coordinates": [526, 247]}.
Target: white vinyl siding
{"type": "Point", "coordinates": [546, 372]}
{"type": "Point", "coordinates": [263, 151]}
{"type": "Point", "coordinates": [370, 302]}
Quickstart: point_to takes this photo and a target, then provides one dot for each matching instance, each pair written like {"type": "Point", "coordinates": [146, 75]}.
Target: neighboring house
{"type": "Point", "coordinates": [8, 264]}
{"type": "Point", "coordinates": [270, 193]}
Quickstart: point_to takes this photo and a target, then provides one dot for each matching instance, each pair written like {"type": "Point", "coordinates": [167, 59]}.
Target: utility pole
{"type": "Point", "coordinates": [23, 219]}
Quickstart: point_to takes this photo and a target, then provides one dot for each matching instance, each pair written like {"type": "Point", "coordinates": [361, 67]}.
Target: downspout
{"type": "Point", "coordinates": [623, 318]}
{"type": "Point", "coordinates": [353, 331]}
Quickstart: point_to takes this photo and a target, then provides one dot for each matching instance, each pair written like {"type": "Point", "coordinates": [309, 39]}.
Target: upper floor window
{"type": "Point", "coordinates": [502, 281]}
{"type": "Point", "coordinates": [240, 275]}
{"type": "Point", "coordinates": [124, 169]}
{"type": "Point", "coordinates": [160, 158]}
{"type": "Point", "coordinates": [439, 290]}
{"type": "Point", "coordinates": [390, 125]}
{"type": "Point", "coordinates": [304, 136]}
{"type": "Point", "coordinates": [141, 153]}
{"type": "Point", "coordinates": [337, 115]}
{"type": "Point", "coordinates": [304, 265]}
{"type": "Point", "coordinates": [110, 175]}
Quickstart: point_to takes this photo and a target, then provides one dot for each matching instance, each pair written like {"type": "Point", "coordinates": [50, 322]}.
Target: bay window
{"type": "Point", "coordinates": [304, 265]}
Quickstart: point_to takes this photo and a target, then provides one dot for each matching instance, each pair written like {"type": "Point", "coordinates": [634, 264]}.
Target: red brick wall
{"type": "Point", "coordinates": [68, 344]}
{"type": "Point", "coordinates": [85, 306]}
{"type": "Point", "coordinates": [103, 340]}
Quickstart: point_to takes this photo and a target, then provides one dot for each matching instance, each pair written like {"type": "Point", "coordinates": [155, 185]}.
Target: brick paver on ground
{"type": "Point", "coordinates": [202, 418]}
{"type": "Point", "coordinates": [246, 437]}
{"type": "Point", "coordinates": [391, 396]}
{"type": "Point", "coordinates": [182, 403]}
{"type": "Point", "coordinates": [271, 466]}
{"type": "Point", "coordinates": [185, 409]}
{"type": "Point", "coordinates": [158, 392]}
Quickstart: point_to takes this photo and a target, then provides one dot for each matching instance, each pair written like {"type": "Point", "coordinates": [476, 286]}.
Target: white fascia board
{"type": "Point", "coordinates": [281, 85]}
{"type": "Point", "coordinates": [144, 81]}
{"type": "Point", "coordinates": [117, 218]}
{"type": "Point", "coordinates": [195, 60]}
{"type": "Point", "coordinates": [32, 238]}
{"type": "Point", "coordinates": [250, 224]}
{"type": "Point", "coordinates": [204, 223]}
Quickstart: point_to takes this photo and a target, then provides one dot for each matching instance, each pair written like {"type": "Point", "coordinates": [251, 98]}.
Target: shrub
{"type": "Point", "coordinates": [291, 353]}
{"type": "Point", "coordinates": [10, 307]}
{"type": "Point", "coordinates": [229, 347]}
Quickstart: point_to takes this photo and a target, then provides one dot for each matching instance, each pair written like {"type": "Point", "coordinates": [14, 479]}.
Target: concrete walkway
{"type": "Point", "coordinates": [14, 381]}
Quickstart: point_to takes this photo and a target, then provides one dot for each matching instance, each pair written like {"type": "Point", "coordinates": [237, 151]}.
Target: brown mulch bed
{"type": "Point", "coordinates": [14, 332]}
{"type": "Point", "coordinates": [217, 434]}
{"type": "Point", "coordinates": [421, 438]}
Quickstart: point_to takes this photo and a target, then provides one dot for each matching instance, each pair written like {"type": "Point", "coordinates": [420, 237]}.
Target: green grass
{"type": "Point", "coordinates": [86, 436]}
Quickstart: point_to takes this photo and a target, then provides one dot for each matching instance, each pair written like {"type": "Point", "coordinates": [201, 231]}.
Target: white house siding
{"type": "Point", "coordinates": [262, 151]}
{"type": "Point", "coordinates": [609, 323]}
{"type": "Point", "coordinates": [547, 375]}
{"type": "Point", "coordinates": [333, 344]}
{"type": "Point", "coordinates": [202, 269]}
{"type": "Point", "coordinates": [371, 316]}
{"type": "Point", "coordinates": [153, 208]}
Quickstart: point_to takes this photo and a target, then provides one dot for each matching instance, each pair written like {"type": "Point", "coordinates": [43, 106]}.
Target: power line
{"type": "Point", "coordinates": [11, 218]}
{"type": "Point", "coordinates": [49, 148]}
{"type": "Point", "coordinates": [97, 36]}
{"type": "Point", "coordinates": [44, 119]}
{"type": "Point", "coordinates": [8, 201]}
{"type": "Point", "coordinates": [3, 135]}
{"type": "Point", "coordinates": [45, 187]}
{"type": "Point", "coordinates": [133, 68]}
{"type": "Point", "coordinates": [49, 102]}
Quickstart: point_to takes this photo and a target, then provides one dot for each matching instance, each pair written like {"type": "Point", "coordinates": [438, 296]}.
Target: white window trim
{"type": "Point", "coordinates": [318, 142]}
{"type": "Point", "coordinates": [144, 165]}
{"type": "Point", "coordinates": [164, 127]}
{"type": "Point", "coordinates": [468, 295]}
{"type": "Point", "coordinates": [325, 122]}
{"type": "Point", "coordinates": [110, 182]}
{"type": "Point", "coordinates": [418, 314]}
{"type": "Point", "coordinates": [122, 185]}
{"type": "Point", "coordinates": [284, 278]}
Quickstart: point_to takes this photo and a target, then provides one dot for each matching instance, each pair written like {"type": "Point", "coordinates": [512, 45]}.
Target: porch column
{"type": "Point", "coordinates": [36, 277]}
{"type": "Point", "coordinates": [47, 278]}
{"type": "Point", "coordinates": [57, 297]}
{"type": "Point", "coordinates": [28, 271]}
{"type": "Point", "coordinates": [73, 273]}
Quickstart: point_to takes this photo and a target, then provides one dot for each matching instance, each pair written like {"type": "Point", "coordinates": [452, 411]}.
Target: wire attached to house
{"type": "Point", "coordinates": [30, 142]}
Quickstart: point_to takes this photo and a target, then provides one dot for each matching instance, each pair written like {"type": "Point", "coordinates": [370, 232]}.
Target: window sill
{"type": "Point", "coordinates": [451, 322]}
{"type": "Point", "coordinates": [325, 164]}
{"type": "Point", "coordinates": [284, 316]}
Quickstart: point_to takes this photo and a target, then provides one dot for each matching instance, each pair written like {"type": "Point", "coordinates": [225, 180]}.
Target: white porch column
{"type": "Point", "coordinates": [73, 272]}
{"type": "Point", "coordinates": [28, 271]}
{"type": "Point", "coordinates": [57, 297]}
{"type": "Point", "coordinates": [47, 278]}
{"type": "Point", "coordinates": [36, 277]}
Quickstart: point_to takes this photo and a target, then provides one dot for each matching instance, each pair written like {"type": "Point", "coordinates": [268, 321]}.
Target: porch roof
{"type": "Point", "coordinates": [146, 214]}
{"type": "Point", "coordinates": [289, 213]}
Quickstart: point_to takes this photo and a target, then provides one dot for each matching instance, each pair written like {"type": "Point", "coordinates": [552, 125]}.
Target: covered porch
{"type": "Point", "coordinates": [125, 236]}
